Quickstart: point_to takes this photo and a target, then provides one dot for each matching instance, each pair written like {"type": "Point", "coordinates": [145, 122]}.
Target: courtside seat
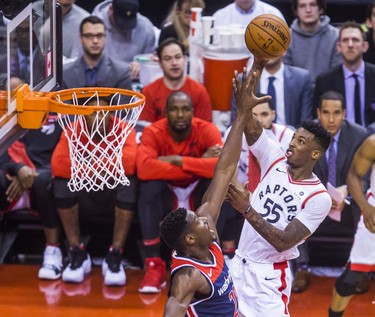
{"type": "Point", "coordinates": [12, 223]}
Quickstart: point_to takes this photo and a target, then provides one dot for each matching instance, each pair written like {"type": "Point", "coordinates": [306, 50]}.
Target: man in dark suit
{"type": "Point", "coordinates": [343, 78]}
{"type": "Point", "coordinates": [93, 68]}
{"type": "Point", "coordinates": [293, 88]}
{"type": "Point", "coordinates": [346, 138]}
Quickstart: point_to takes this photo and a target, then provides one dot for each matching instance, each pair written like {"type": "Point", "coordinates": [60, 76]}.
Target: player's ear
{"type": "Point", "coordinates": [189, 239]}
{"type": "Point", "coordinates": [316, 154]}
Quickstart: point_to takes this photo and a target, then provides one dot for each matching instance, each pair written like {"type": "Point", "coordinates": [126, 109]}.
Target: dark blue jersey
{"type": "Point", "coordinates": [222, 300]}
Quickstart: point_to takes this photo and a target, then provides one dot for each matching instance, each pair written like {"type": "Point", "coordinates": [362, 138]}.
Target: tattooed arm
{"type": "Point", "coordinates": [281, 240]}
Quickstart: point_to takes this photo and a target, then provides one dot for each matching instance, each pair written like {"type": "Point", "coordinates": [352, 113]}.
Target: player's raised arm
{"type": "Point", "coordinates": [227, 164]}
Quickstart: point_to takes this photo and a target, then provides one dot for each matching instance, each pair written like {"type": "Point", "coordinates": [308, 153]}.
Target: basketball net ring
{"type": "Point", "coordinates": [95, 153]}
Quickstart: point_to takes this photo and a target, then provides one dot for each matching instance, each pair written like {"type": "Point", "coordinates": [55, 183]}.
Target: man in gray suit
{"type": "Point", "coordinates": [94, 68]}
{"type": "Point", "coordinates": [293, 92]}
{"type": "Point", "coordinates": [346, 138]}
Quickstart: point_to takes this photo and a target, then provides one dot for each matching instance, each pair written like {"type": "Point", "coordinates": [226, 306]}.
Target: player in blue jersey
{"type": "Point", "coordinates": [200, 283]}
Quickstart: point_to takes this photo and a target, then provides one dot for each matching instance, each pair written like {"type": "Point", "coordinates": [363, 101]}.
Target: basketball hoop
{"type": "Point", "coordinates": [95, 151]}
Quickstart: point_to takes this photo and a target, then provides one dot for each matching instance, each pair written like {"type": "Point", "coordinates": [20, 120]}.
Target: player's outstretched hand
{"type": "Point", "coordinates": [244, 89]}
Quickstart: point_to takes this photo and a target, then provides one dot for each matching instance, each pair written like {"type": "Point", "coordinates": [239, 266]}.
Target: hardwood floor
{"type": "Point", "coordinates": [22, 294]}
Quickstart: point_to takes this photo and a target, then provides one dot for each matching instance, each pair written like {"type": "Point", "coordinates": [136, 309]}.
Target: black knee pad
{"type": "Point", "coordinates": [348, 280]}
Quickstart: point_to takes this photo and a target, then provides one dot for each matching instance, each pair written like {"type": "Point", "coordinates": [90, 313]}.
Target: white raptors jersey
{"type": "Point", "coordinates": [279, 199]}
{"type": "Point", "coordinates": [282, 134]}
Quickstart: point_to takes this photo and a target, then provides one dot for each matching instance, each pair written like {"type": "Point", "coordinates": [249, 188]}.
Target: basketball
{"type": "Point", "coordinates": [267, 36]}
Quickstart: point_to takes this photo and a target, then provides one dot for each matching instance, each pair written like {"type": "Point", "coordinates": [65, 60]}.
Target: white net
{"type": "Point", "coordinates": [96, 143]}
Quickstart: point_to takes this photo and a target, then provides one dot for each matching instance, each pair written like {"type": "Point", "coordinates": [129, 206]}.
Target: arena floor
{"type": "Point", "coordinates": [22, 294]}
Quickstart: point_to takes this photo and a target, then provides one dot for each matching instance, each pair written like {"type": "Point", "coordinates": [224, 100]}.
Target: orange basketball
{"type": "Point", "coordinates": [267, 36]}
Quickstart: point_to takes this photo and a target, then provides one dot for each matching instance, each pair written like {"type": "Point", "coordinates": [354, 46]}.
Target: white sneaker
{"type": "Point", "coordinates": [113, 270]}
{"type": "Point", "coordinates": [52, 264]}
{"type": "Point", "coordinates": [79, 266]}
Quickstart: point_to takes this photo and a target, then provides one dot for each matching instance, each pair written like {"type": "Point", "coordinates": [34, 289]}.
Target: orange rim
{"type": "Point", "coordinates": [85, 92]}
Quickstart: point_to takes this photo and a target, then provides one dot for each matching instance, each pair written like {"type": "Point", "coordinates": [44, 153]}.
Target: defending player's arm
{"type": "Point", "coordinates": [281, 240]}
{"type": "Point", "coordinates": [227, 164]}
{"type": "Point", "coordinates": [362, 162]}
{"type": "Point", "coordinates": [185, 284]}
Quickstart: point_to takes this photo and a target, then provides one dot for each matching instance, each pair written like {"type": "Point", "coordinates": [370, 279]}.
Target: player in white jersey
{"type": "Point", "coordinates": [362, 255]}
{"type": "Point", "coordinates": [248, 169]}
{"type": "Point", "coordinates": [287, 206]}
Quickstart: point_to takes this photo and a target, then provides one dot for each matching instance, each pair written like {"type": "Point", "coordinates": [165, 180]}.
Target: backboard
{"type": "Point", "coordinates": [30, 52]}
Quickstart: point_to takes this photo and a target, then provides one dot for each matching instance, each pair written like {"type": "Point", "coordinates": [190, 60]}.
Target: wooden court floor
{"type": "Point", "coordinates": [22, 294]}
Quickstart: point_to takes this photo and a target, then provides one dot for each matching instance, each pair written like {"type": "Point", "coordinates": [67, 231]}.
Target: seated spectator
{"type": "Point", "coordinates": [176, 158]}
{"type": "Point", "coordinates": [171, 54]}
{"type": "Point", "coordinates": [26, 174]}
{"type": "Point", "coordinates": [313, 39]}
{"type": "Point", "coordinates": [128, 32]}
{"type": "Point", "coordinates": [333, 167]}
{"type": "Point", "coordinates": [120, 202]}
{"type": "Point", "coordinates": [178, 21]}
{"type": "Point", "coordinates": [354, 78]}
{"type": "Point", "coordinates": [243, 11]}
{"type": "Point", "coordinates": [94, 67]}
{"type": "Point", "coordinates": [291, 89]}
{"type": "Point", "coordinates": [369, 56]}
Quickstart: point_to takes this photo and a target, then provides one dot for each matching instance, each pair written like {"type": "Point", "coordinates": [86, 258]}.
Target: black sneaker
{"type": "Point", "coordinates": [79, 266]}
{"type": "Point", "coordinates": [113, 270]}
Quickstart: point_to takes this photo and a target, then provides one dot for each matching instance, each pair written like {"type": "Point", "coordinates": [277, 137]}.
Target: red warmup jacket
{"type": "Point", "coordinates": [60, 162]}
{"type": "Point", "coordinates": [156, 141]}
{"type": "Point", "coordinates": [157, 93]}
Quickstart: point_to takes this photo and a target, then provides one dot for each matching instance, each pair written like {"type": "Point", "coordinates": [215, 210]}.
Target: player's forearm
{"type": "Point", "coordinates": [355, 188]}
{"type": "Point", "coordinates": [281, 240]}
{"type": "Point", "coordinates": [231, 151]}
{"type": "Point", "coordinates": [162, 171]}
{"type": "Point", "coordinates": [201, 167]}
{"type": "Point", "coordinates": [253, 130]}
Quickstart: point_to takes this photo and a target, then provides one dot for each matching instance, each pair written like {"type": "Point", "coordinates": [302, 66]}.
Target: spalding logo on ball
{"type": "Point", "coordinates": [267, 36]}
